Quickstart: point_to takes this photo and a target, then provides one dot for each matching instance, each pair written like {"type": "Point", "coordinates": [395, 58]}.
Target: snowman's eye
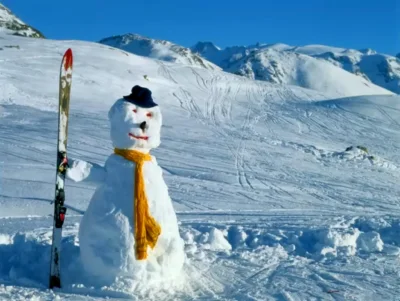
{"type": "Point", "coordinates": [149, 115]}
{"type": "Point", "coordinates": [134, 110]}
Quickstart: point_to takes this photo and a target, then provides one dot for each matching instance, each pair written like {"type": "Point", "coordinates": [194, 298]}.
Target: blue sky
{"type": "Point", "coordinates": [343, 23]}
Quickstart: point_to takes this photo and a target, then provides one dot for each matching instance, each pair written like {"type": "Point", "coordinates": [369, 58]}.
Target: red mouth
{"type": "Point", "coordinates": [139, 137]}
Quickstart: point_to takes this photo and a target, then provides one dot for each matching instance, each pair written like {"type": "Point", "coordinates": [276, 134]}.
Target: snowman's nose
{"type": "Point", "coordinates": [143, 125]}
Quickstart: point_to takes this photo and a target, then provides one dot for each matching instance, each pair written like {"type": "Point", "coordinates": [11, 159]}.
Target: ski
{"type": "Point", "coordinates": [62, 164]}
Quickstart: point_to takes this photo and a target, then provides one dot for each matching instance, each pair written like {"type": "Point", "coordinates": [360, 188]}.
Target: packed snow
{"type": "Point", "coordinates": [280, 192]}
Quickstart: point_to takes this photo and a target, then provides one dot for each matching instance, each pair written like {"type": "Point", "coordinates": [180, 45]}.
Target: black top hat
{"type": "Point", "coordinates": [141, 97]}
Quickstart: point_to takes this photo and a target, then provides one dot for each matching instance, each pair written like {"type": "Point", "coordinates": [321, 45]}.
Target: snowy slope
{"type": "Point", "coordinates": [160, 49]}
{"type": "Point", "coordinates": [11, 24]}
{"type": "Point", "coordinates": [256, 61]}
{"type": "Point", "coordinates": [272, 201]}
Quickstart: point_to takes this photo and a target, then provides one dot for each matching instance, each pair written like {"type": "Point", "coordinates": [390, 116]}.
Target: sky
{"type": "Point", "coordinates": [354, 24]}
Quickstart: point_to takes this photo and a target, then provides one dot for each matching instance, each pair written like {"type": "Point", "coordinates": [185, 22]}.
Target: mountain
{"type": "Point", "coordinates": [159, 49]}
{"type": "Point", "coordinates": [268, 62]}
{"type": "Point", "coordinates": [11, 24]}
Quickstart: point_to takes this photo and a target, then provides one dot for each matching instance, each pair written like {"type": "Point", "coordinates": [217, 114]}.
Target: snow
{"type": "Point", "coordinates": [271, 201]}
{"type": "Point", "coordinates": [217, 241]}
{"type": "Point", "coordinates": [370, 242]}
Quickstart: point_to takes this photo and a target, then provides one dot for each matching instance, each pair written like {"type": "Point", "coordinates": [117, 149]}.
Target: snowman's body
{"type": "Point", "coordinates": [106, 233]}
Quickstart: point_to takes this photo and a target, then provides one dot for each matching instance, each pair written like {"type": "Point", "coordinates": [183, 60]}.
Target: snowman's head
{"type": "Point", "coordinates": [135, 121]}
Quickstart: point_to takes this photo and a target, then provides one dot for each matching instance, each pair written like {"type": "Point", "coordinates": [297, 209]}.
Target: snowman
{"type": "Point", "coordinates": [130, 228]}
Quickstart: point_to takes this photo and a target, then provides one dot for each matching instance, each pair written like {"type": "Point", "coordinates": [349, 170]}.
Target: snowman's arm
{"type": "Point", "coordinates": [85, 171]}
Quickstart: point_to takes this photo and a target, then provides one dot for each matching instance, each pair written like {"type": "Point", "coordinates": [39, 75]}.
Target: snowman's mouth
{"type": "Point", "coordinates": [139, 137]}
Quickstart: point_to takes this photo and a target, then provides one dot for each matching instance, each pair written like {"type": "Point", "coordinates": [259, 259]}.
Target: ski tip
{"type": "Point", "coordinates": [68, 59]}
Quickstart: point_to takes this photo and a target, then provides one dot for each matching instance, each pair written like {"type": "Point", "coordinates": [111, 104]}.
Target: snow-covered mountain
{"type": "Point", "coordinates": [160, 49]}
{"type": "Point", "coordinates": [285, 64]}
{"type": "Point", "coordinates": [13, 25]}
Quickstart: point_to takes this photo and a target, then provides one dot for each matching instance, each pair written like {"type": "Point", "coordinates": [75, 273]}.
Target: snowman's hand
{"type": "Point", "coordinates": [79, 170]}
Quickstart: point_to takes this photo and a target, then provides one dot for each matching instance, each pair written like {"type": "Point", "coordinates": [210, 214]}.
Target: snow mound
{"type": "Point", "coordinates": [205, 239]}
{"type": "Point", "coordinates": [237, 236]}
{"type": "Point", "coordinates": [326, 242]}
{"type": "Point", "coordinates": [5, 239]}
{"type": "Point", "coordinates": [342, 240]}
{"type": "Point", "coordinates": [361, 154]}
{"type": "Point", "coordinates": [388, 230]}
{"type": "Point", "coordinates": [217, 241]}
{"type": "Point", "coordinates": [353, 154]}
{"type": "Point", "coordinates": [370, 242]}
{"type": "Point", "coordinates": [359, 237]}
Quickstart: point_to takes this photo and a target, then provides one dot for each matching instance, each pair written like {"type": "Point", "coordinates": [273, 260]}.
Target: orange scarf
{"type": "Point", "coordinates": [146, 229]}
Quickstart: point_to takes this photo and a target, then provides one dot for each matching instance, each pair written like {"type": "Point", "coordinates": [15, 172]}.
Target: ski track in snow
{"type": "Point", "coordinates": [264, 164]}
